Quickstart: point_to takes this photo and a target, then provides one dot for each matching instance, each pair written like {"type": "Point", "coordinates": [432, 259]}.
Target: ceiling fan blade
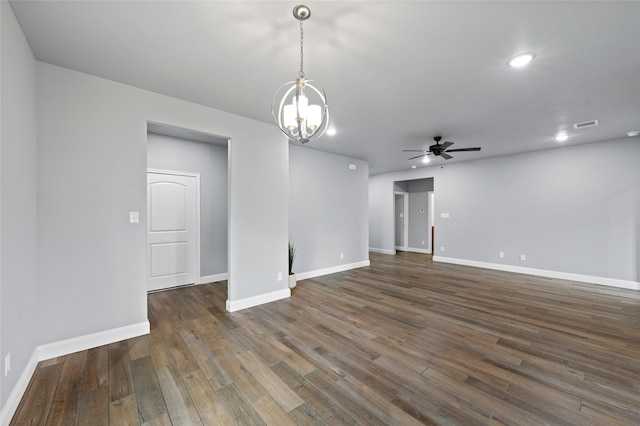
{"type": "Point", "coordinates": [414, 150]}
{"type": "Point", "coordinates": [446, 156]}
{"type": "Point", "coordinates": [418, 156]}
{"type": "Point", "coordinates": [445, 145]}
{"type": "Point", "coordinates": [477, 148]}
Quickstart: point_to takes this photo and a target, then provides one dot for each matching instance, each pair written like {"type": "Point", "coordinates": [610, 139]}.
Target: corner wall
{"type": "Point", "coordinates": [18, 211]}
{"type": "Point", "coordinates": [327, 211]}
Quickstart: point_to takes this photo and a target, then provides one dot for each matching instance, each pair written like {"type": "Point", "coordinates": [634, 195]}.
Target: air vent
{"type": "Point", "coordinates": [584, 124]}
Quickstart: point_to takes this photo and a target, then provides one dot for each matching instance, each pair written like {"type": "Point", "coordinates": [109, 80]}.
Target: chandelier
{"type": "Point", "coordinates": [300, 106]}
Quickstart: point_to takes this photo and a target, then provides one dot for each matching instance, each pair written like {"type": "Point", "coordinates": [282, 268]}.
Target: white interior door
{"type": "Point", "coordinates": [172, 230]}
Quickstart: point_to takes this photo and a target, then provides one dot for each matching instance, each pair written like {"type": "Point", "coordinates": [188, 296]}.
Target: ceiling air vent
{"type": "Point", "coordinates": [584, 124]}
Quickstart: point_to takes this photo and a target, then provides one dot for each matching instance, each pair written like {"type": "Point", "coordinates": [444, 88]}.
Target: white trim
{"type": "Point", "coordinates": [418, 250]}
{"type": "Point", "coordinates": [173, 172]}
{"type": "Point", "coordinates": [213, 278]}
{"type": "Point", "coordinates": [19, 389]}
{"type": "Point", "coordinates": [610, 282]}
{"type": "Point", "coordinates": [430, 218]}
{"type": "Point", "coordinates": [405, 218]}
{"type": "Point", "coordinates": [250, 302]}
{"type": "Point", "coordinates": [93, 340]}
{"type": "Point", "coordinates": [383, 251]}
{"type": "Point", "coordinates": [326, 271]}
{"type": "Point", "coordinates": [65, 347]}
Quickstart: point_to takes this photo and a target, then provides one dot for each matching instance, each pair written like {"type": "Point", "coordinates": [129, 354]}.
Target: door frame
{"type": "Point", "coordinates": [187, 174]}
{"type": "Point", "coordinates": [405, 236]}
{"type": "Point", "coordinates": [431, 218]}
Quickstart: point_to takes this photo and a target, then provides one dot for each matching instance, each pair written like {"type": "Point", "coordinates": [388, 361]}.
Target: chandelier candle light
{"type": "Point", "coordinates": [300, 106]}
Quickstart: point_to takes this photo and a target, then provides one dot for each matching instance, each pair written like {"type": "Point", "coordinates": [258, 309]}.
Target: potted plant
{"type": "Point", "coordinates": [292, 257]}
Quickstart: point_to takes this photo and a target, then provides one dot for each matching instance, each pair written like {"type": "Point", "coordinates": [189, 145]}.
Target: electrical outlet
{"type": "Point", "coordinates": [341, 255]}
{"type": "Point", "coordinates": [501, 254]}
{"type": "Point", "coordinates": [441, 248]}
{"type": "Point", "coordinates": [422, 242]}
{"type": "Point", "coordinates": [523, 257]}
{"type": "Point", "coordinates": [7, 364]}
{"type": "Point", "coordinates": [279, 276]}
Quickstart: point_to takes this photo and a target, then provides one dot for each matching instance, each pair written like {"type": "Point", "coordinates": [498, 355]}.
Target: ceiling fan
{"type": "Point", "coordinates": [439, 149]}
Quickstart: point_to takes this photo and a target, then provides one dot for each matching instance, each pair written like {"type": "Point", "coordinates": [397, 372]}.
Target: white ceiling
{"type": "Point", "coordinates": [396, 73]}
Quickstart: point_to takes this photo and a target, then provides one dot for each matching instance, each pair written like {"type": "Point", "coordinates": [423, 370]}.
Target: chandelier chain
{"type": "Point", "coordinates": [301, 50]}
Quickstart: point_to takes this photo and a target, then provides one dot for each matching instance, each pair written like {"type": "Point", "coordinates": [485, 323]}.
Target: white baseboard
{"type": "Point", "coordinates": [610, 282]}
{"type": "Point", "coordinates": [326, 271]}
{"type": "Point", "coordinates": [415, 250]}
{"type": "Point", "coordinates": [65, 347]}
{"type": "Point", "coordinates": [18, 391]}
{"type": "Point", "coordinates": [249, 302]}
{"type": "Point", "coordinates": [213, 278]}
{"type": "Point", "coordinates": [93, 340]}
{"type": "Point", "coordinates": [383, 251]}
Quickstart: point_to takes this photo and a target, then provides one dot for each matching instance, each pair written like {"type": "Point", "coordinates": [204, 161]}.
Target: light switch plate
{"type": "Point", "coordinates": [134, 217]}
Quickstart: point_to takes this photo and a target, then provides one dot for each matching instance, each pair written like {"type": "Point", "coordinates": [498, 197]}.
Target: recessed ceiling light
{"type": "Point", "coordinates": [521, 60]}
{"type": "Point", "coordinates": [562, 136]}
{"type": "Point", "coordinates": [331, 131]}
{"type": "Point", "coordinates": [414, 166]}
{"type": "Point", "coordinates": [425, 159]}
{"type": "Point", "coordinates": [633, 133]}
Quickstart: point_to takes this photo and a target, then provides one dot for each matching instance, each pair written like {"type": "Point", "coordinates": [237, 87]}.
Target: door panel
{"type": "Point", "coordinates": [171, 230]}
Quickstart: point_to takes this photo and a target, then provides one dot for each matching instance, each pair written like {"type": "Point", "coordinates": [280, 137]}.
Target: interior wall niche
{"type": "Point", "coordinates": [418, 219]}
{"type": "Point", "coordinates": [176, 149]}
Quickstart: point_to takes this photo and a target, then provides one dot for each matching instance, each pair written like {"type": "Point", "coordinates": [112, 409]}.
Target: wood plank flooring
{"type": "Point", "coordinates": [404, 341]}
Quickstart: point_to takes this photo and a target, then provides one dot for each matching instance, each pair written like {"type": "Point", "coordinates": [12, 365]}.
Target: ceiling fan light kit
{"type": "Point", "coordinates": [300, 106]}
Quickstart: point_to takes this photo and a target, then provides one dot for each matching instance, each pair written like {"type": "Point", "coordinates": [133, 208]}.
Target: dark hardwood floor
{"type": "Point", "coordinates": [404, 341]}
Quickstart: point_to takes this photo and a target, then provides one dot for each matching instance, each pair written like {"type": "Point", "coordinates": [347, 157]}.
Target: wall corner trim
{"type": "Point", "coordinates": [18, 391]}
{"type": "Point", "coordinates": [81, 343]}
{"type": "Point", "coordinates": [326, 271]}
{"type": "Point", "coordinates": [609, 282]}
{"type": "Point", "coordinates": [65, 347]}
{"type": "Point", "coordinates": [237, 305]}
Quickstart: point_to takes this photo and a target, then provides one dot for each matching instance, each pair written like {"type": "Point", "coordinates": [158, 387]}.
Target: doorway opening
{"type": "Point", "coordinates": [414, 218]}
{"type": "Point", "coordinates": [179, 154]}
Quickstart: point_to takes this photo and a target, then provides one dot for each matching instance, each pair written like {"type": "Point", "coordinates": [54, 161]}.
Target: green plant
{"type": "Point", "coordinates": [292, 257]}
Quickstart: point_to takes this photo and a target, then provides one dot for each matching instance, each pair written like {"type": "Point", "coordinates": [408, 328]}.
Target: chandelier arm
{"type": "Point", "coordinates": [325, 117]}
{"type": "Point", "coordinates": [302, 132]}
{"type": "Point", "coordinates": [279, 117]}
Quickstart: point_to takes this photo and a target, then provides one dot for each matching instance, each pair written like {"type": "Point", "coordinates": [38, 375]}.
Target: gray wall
{"type": "Point", "coordinates": [92, 163]}
{"type": "Point", "coordinates": [419, 229]}
{"type": "Point", "coordinates": [399, 209]}
{"type": "Point", "coordinates": [18, 214]}
{"type": "Point", "coordinates": [401, 186]}
{"type": "Point", "coordinates": [573, 209]}
{"type": "Point", "coordinates": [170, 153]}
{"type": "Point", "coordinates": [327, 209]}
